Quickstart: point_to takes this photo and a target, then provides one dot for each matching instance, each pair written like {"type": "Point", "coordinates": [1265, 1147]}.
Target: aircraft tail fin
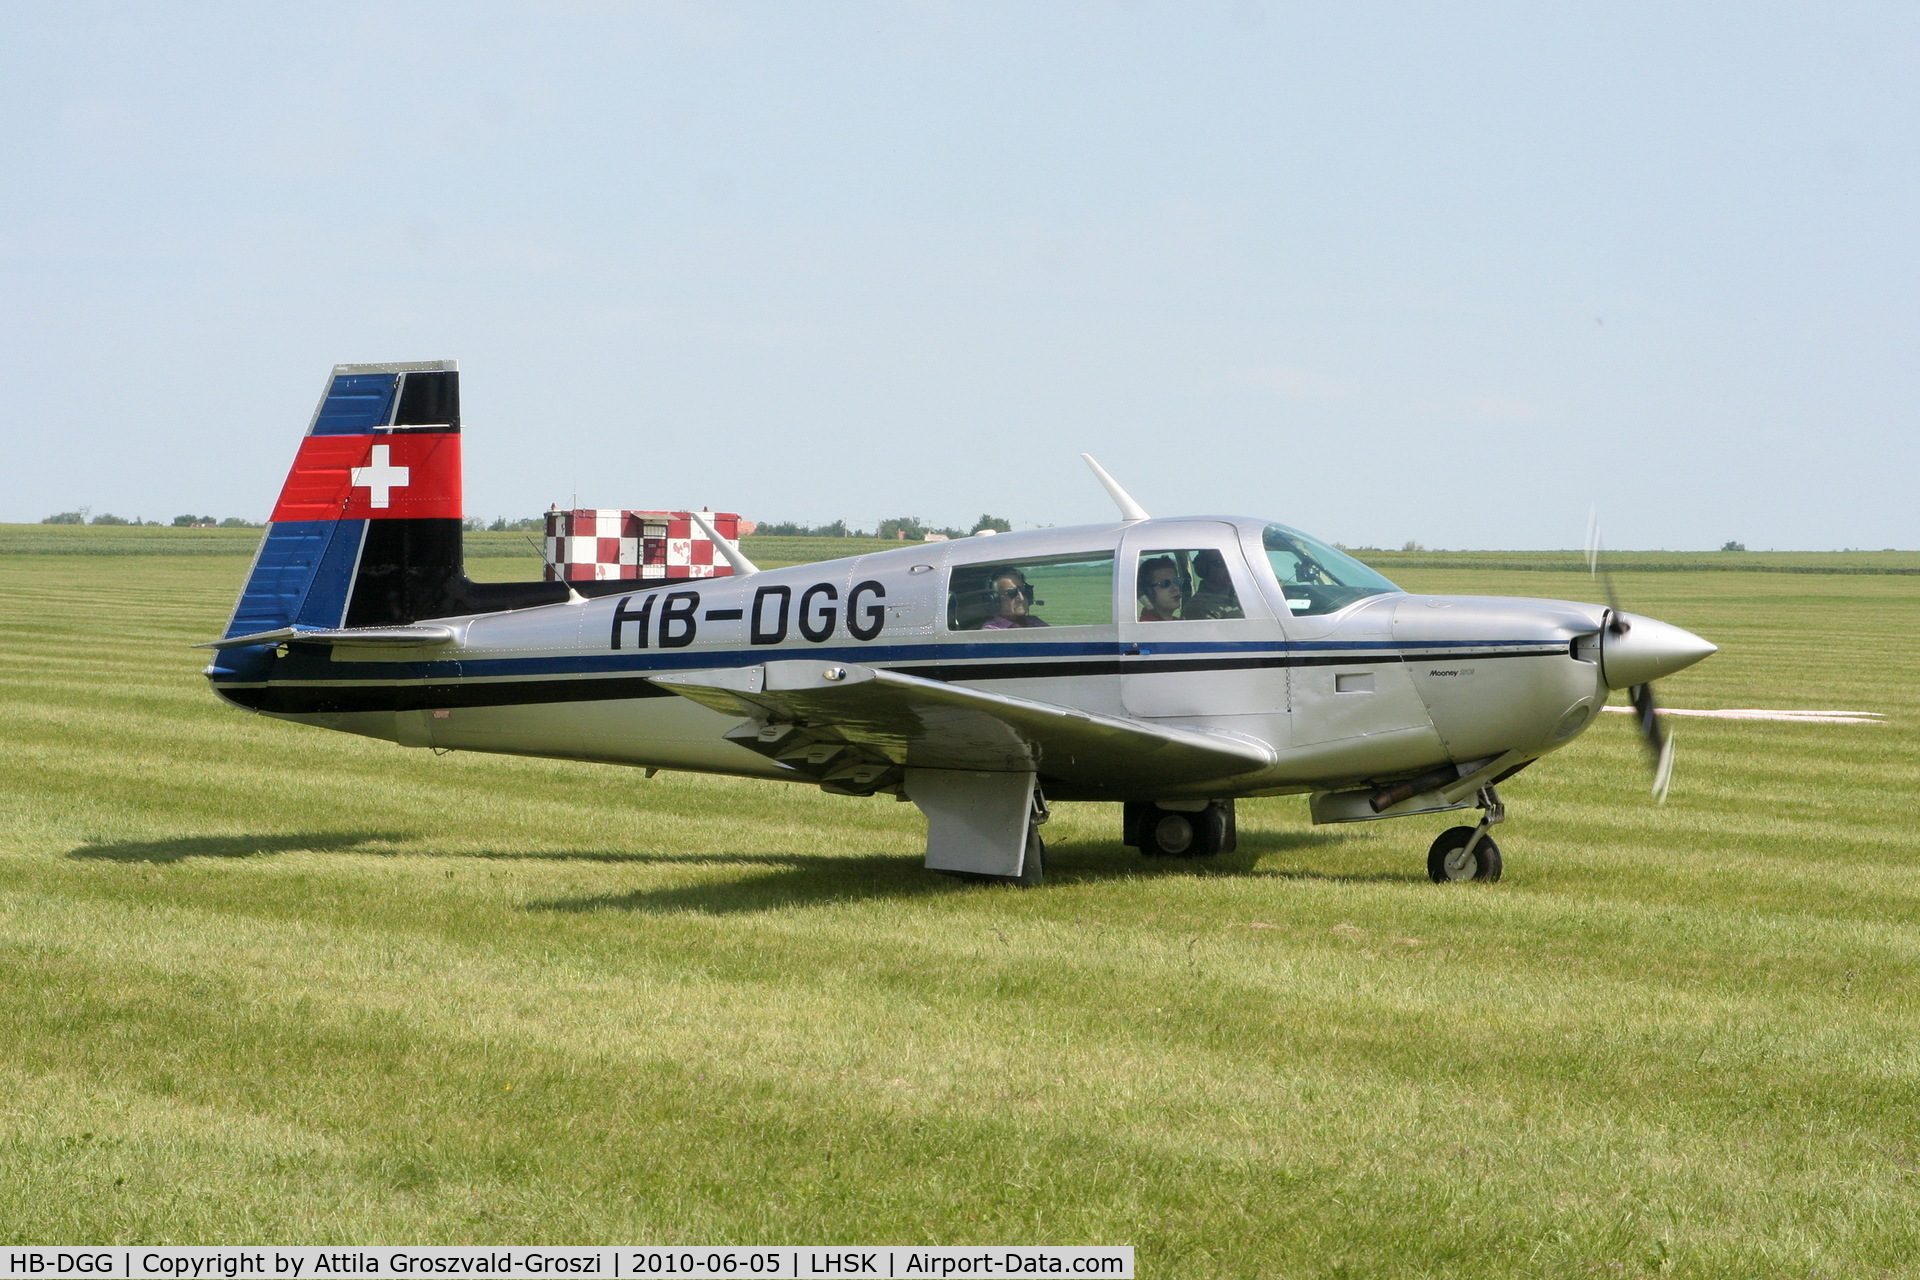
{"type": "Point", "coordinates": [366, 531]}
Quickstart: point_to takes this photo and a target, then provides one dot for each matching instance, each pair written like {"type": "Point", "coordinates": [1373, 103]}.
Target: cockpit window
{"type": "Point", "coordinates": [1188, 585]}
{"type": "Point", "coordinates": [1315, 577]}
{"type": "Point", "coordinates": [1058, 591]}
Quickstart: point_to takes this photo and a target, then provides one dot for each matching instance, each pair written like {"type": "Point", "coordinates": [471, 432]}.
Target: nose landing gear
{"type": "Point", "coordinates": [1469, 853]}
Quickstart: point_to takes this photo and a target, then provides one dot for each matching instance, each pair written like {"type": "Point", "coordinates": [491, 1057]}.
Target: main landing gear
{"type": "Point", "coordinates": [1033, 864]}
{"type": "Point", "coordinates": [1180, 829]}
{"type": "Point", "coordinates": [981, 825]}
{"type": "Point", "coordinates": [1469, 853]}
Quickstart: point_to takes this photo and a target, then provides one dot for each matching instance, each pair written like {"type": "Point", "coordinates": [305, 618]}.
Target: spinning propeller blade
{"type": "Point", "coordinates": [1646, 713]}
{"type": "Point", "coordinates": [1659, 742]}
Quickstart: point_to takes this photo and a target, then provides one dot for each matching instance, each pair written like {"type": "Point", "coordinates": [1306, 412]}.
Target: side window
{"type": "Point", "coordinates": [1007, 595]}
{"type": "Point", "coordinates": [1185, 585]}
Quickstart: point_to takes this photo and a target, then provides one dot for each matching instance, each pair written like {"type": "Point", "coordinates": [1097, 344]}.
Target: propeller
{"type": "Point", "coordinates": [1619, 625]}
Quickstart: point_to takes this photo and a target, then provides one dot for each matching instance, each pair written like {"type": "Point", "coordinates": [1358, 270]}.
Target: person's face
{"type": "Point", "coordinates": [1010, 597]}
{"type": "Point", "coordinates": [1163, 588]}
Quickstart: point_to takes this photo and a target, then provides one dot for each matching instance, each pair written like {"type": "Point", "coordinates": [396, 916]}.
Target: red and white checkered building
{"type": "Point", "coordinates": [595, 545]}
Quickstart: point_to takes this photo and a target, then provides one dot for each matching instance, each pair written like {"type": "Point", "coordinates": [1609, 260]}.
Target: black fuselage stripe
{"type": "Point", "coordinates": [318, 699]}
{"type": "Point", "coordinates": [292, 699]}
{"type": "Point", "coordinates": [949, 671]}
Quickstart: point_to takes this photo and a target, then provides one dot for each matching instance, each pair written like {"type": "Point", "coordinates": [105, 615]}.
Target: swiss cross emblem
{"type": "Point", "coordinates": [380, 477]}
{"type": "Point", "coordinates": [361, 477]}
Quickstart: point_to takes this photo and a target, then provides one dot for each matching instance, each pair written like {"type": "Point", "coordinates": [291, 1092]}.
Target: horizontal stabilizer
{"type": "Point", "coordinates": [376, 636]}
{"type": "Point", "coordinates": [932, 725]}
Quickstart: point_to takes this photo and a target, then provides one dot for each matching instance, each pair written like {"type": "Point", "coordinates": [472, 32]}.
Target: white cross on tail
{"type": "Point", "coordinates": [379, 477]}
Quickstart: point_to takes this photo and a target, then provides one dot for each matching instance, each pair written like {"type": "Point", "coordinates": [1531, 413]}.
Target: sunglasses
{"type": "Point", "coordinates": [1161, 584]}
{"type": "Point", "coordinates": [1012, 593]}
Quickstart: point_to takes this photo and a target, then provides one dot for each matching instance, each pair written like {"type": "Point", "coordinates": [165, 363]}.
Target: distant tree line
{"type": "Point", "coordinates": [910, 527]}
{"type": "Point", "coordinates": [85, 516]}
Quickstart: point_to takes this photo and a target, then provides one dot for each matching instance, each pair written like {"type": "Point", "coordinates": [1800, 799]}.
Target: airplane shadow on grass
{"type": "Point", "coordinates": [771, 881]}
{"type": "Point", "coordinates": [243, 846]}
{"type": "Point", "coordinates": [812, 879]}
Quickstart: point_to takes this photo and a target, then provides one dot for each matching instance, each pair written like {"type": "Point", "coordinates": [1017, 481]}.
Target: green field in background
{"type": "Point", "coordinates": [1862, 562]}
{"type": "Point", "coordinates": [264, 983]}
{"type": "Point", "coordinates": [122, 540]}
{"type": "Point", "coordinates": [116, 540]}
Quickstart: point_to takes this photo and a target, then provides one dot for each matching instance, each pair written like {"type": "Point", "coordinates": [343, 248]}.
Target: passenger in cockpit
{"type": "Point", "coordinates": [1011, 598]}
{"type": "Point", "coordinates": [1161, 590]}
{"type": "Point", "coordinates": [1215, 596]}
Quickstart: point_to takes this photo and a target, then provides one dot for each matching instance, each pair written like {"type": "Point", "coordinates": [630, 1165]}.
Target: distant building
{"type": "Point", "coordinates": [604, 544]}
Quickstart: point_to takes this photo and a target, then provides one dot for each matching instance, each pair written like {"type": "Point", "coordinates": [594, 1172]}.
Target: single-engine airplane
{"type": "Point", "coordinates": [1169, 665]}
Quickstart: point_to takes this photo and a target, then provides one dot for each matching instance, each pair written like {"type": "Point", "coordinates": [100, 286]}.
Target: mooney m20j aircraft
{"type": "Point", "coordinates": [1169, 665]}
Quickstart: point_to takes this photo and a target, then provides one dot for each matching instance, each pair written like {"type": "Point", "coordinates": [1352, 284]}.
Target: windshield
{"type": "Point", "coordinates": [1315, 577]}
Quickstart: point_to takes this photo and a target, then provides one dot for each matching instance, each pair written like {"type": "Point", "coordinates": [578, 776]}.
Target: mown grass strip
{"type": "Point", "coordinates": [260, 982]}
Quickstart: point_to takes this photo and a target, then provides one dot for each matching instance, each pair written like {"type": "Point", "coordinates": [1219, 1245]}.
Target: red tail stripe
{"type": "Point", "coordinates": [321, 484]}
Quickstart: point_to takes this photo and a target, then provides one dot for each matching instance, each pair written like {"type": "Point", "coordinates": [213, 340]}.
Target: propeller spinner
{"type": "Point", "coordinates": [1634, 652]}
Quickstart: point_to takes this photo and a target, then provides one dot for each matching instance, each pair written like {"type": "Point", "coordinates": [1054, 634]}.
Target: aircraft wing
{"type": "Point", "coordinates": [809, 714]}
{"type": "Point", "coordinates": [380, 636]}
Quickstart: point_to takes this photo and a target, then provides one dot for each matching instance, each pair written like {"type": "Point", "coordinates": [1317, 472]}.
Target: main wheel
{"type": "Point", "coordinates": [1449, 860]}
{"type": "Point", "coordinates": [1176, 833]}
{"type": "Point", "coordinates": [1033, 864]}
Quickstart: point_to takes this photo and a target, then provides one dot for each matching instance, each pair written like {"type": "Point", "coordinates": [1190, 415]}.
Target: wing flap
{"type": "Point", "coordinates": [803, 712]}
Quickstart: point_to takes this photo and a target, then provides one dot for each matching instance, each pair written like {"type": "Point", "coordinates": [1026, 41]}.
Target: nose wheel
{"type": "Point", "coordinates": [1469, 853]}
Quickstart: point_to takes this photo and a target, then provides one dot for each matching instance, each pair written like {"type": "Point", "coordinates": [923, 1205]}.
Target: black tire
{"type": "Point", "coordinates": [1033, 865]}
{"type": "Point", "coordinates": [1175, 833]}
{"type": "Point", "coordinates": [1445, 865]}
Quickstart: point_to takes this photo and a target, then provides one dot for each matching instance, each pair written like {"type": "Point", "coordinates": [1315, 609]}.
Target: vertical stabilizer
{"type": "Point", "coordinates": [367, 528]}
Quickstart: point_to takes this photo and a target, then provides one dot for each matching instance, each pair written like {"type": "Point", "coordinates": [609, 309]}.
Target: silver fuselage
{"type": "Point", "coordinates": [1386, 687]}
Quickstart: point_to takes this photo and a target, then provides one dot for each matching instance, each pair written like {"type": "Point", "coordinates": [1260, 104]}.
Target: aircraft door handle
{"type": "Point", "coordinates": [1133, 651]}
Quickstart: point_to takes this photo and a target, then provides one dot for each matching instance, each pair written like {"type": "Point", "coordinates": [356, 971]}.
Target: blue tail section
{"type": "Point", "coordinates": [301, 577]}
{"type": "Point", "coordinates": [356, 403]}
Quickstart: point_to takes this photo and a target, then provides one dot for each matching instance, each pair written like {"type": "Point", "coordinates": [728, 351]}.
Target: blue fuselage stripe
{"type": "Point", "coordinates": [319, 668]}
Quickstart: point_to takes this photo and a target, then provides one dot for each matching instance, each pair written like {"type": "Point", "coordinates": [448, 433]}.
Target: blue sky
{"type": "Point", "coordinates": [1386, 272]}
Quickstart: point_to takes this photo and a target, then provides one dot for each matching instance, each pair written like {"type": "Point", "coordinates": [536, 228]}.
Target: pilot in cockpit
{"type": "Point", "coordinates": [1011, 598]}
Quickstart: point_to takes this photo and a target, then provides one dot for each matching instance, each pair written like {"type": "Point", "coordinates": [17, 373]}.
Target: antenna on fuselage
{"type": "Point", "coordinates": [741, 565]}
{"type": "Point", "coordinates": [1129, 509]}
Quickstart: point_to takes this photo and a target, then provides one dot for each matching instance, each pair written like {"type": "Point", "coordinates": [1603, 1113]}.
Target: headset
{"type": "Point", "coordinates": [992, 594]}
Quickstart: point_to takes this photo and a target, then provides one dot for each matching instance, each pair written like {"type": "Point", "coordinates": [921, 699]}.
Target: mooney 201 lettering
{"type": "Point", "coordinates": [1169, 665]}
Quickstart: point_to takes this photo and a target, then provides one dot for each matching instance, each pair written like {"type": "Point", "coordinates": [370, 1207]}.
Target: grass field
{"type": "Point", "coordinates": [88, 540]}
{"type": "Point", "coordinates": [481, 548]}
{"type": "Point", "coordinates": [264, 983]}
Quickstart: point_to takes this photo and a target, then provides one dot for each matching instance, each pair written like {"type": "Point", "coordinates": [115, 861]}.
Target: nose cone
{"type": "Point", "coordinates": [1648, 650]}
